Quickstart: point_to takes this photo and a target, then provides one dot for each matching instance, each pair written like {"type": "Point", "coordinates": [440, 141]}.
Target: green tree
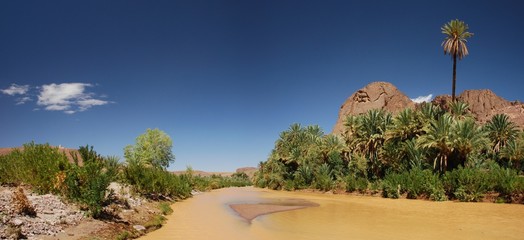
{"type": "Point", "coordinates": [152, 149]}
{"type": "Point", "coordinates": [438, 139]}
{"type": "Point", "coordinates": [454, 44]}
{"type": "Point", "coordinates": [500, 131]}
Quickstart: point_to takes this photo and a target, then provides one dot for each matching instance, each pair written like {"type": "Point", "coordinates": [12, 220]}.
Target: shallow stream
{"type": "Point", "coordinates": [209, 216]}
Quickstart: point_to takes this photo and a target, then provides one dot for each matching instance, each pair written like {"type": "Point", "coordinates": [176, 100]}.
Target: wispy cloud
{"type": "Point", "coordinates": [15, 89]}
{"type": "Point", "coordinates": [22, 100]}
{"type": "Point", "coordinates": [66, 97]}
{"type": "Point", "coordinates": [421, 99]}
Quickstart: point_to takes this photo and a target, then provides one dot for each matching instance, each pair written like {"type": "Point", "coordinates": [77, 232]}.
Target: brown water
{"type": "Point", "coordinates": [208, 216]}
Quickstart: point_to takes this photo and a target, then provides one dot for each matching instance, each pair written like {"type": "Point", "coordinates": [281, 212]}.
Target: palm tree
{"type": "Point", "coordinates": [467, 138]}
{"type": "Point", "coordinates": [438, 138]}
{"type": "Point", "coordinates": [454, 44]}
{"type": "Point", "coordinates": [500, 131]}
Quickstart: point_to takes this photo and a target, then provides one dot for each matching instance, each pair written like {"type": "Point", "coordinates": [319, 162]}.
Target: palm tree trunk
{"type": "Point", "coordinates": [454, 77]}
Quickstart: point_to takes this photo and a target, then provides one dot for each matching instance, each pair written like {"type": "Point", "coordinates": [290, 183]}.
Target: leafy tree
{"type": "Point", "coordinates": [500, 131]}
{"type": "Point", "coordinates": [438, 139]}
{"type": "Point", "coordinates": [467, 138]}
{"type": "Point", "coordinates": [152, 149]}
{"type": "Point", "coordinates": [454, 44]}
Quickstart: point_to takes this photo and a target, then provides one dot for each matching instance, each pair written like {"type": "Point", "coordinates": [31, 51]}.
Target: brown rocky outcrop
{"type": "Point", "coordinates": [484, 103]}
{"type": "Point", "coordinates": [376, 95]}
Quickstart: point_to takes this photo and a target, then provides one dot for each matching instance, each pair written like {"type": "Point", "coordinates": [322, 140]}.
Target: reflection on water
{"type": "Point", "coordinates": [208, 216]}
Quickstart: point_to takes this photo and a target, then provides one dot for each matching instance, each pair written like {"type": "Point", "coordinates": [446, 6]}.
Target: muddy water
{"type": "Point", "coordinates": [208, 216]}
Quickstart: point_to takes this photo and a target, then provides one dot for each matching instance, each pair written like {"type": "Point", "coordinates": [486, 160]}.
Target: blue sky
{"type": "Point", "coordinates": [224, 78]}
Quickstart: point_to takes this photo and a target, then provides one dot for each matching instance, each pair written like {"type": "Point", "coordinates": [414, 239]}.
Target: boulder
{"type": "Point", "coordinates": [376, 95]}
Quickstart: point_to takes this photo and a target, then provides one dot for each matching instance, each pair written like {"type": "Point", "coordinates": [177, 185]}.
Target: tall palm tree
{"type": "Point", "coordinates": [454, 44]}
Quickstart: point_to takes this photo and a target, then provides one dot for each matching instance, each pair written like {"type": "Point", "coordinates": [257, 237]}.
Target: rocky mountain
{"type": "Point", "coordinates": [376, 95]}
{"type": "Point", "coordinates": [483, 104]}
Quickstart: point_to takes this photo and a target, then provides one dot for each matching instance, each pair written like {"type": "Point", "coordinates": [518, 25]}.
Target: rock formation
{"type": "Point", "coordinates": [376, 95]}
{"type": "Point", "coordinates": [483, 104]}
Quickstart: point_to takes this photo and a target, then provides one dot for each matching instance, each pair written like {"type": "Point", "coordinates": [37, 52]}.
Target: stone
{"type": "Point", "coordinates": [139, 227]}
{"type": "Point", "coordinates": [376, 95]}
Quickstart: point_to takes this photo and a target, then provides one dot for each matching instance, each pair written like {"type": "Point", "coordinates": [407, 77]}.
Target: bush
{"type": "Point", "coordinates": [507, 182]}
{"type": "Point", "coordinates": [87, 184]}
{"type": "Point", "coordinates": [156, 183]}
{"type": "Point", "coordinates": [165, 208]}
{"type": "Point", "coordinates": [359, 184]}
{"type": "Point", "coordinates": [467, 184]}
{"type": "Point", "coordinates": [416, 183]}
{"type": "Point", "coordinates": [324, 178]}
{"type": "Point", "coordinates": [36, 165]}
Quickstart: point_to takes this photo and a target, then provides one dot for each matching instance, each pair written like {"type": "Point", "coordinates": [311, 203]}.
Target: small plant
{"type": "Point", "coordinates": [359, 184]}
{"type": "Point", "coordinates": [21, 203]}
{"type": "Point", "coordinates": [156, 222]}
{"type": "Point", "coordinates": [165, 208]}
{"type": "Point", "coordinates": [123, 235]}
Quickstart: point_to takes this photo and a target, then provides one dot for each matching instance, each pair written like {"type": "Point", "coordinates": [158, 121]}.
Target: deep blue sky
{"type": "Point", "coordinates": [223, 78]}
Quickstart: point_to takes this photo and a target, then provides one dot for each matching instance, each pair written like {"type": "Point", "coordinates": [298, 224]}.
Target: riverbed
{"type": "Point", "coordinates": [326, 216]}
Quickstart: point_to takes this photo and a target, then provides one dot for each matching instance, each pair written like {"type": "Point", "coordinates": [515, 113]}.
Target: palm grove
{"type": "Point", "coordinates": [435, 152]}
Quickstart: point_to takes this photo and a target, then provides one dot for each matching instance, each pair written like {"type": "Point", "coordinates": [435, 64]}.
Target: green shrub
{"type": "Point", "coordinates": [467, 184]}
{"type": "Point", "coordinates": [87, 184]}
{"type": "Point", "coordinates": [165, 208]}
{"type": "Point", "coordinates": [37, 165]}
{"type": "Point", "coordinates": [324, 178]}
{"type": "Point", "coordinates": [155, 223]}
{"type": "Point", "coordinates": [156, 183]}
{"type": "Point", "coordinates": [359, 184]}
{"type": "Point", "coordinates": [416, 183]}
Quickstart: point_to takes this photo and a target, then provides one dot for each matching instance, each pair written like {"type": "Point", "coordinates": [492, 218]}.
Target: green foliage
{"type": "Point", "coordinates": [123, 235]}
{"type": "Point", "coordinates": [155, 223]}
{"type": "Point", "coordinates": [165, 208]}
{"type": "Point", "coordinates": [36, 165]}
{"type": "Point", "coordinates": [429, 153]}
{"type": "Point", "coordinates": [359, 184]}
{"type": "Point", "coordinates": [87, 183]}
{"type": "Point", "coordinates": [466, 184]}
{"type": "Point", "coordinates": [324, 177]}
{"type": "Point", "coordinates": [151, 149]}
{"type": "Point", "coordinates": [416, 183]}
{"type": "Point", "coordinates": [156, 183]}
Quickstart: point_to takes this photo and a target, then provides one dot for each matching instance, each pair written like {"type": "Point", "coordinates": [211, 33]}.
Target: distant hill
{"type": "Point", "coordinates": [383, 95]}
{"type": "Point", "coordinates": [250, 171]}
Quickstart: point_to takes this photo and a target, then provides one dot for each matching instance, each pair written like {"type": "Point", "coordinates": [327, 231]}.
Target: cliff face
{"type": "Point", "coordinates": [483, 104]}
{"type": "Point", "coordinates": [376, 95]}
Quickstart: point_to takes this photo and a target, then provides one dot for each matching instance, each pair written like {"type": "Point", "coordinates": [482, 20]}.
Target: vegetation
{"type": "Point", "coordinates": [423, 153]}
{"type": "Point", "coordinates": [85, 178]}
{"type": "Point", "coordinates": [454, 44]}
{"type": "Point", "coordinates": [151, 149]}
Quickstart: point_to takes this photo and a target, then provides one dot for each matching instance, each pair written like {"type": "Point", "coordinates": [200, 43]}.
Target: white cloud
{"type": "Point", "coordinates": [22, 100]}
{"type": "Point", "coordinates": [421, 99]}
{"type": "Point", "coordinates": [67, 97]}
{"type": "Point", "coordinates": [15, 89]}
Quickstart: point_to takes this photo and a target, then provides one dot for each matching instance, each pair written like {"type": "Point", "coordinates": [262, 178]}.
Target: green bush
{"type": "Point", "coordinates": [359, 184]}
{"type": "Point", "coordinates": [165, 208]}
{"type": "Point", "coordinates": [156, 183]}
{"type": "Point", "coordinates": [416, 183]}
{"type": "Point", "coordinates": [37, 165]}
{"type": "Point", "coordinates": [87, 183]}
{"type": "Point", "coordinates": [324, 178]}
{"type": "Point", "coordinates": [467, 184]}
